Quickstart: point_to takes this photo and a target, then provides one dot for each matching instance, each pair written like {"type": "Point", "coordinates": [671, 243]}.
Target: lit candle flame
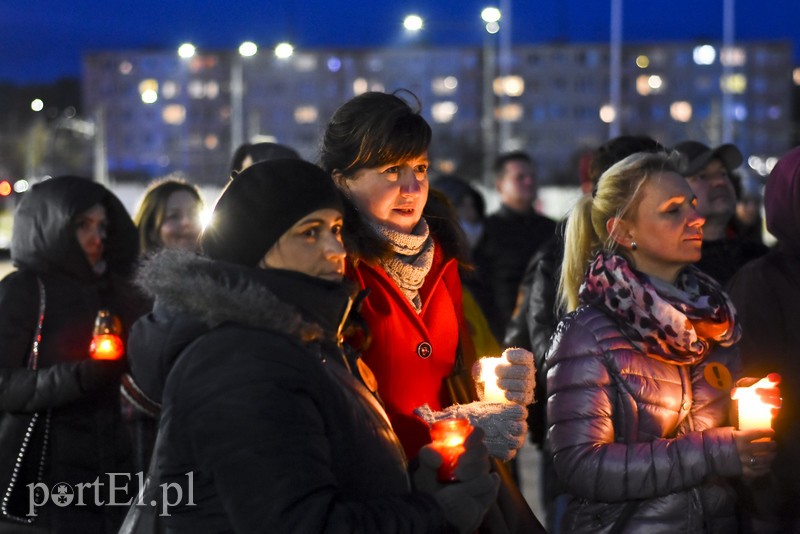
{"type": "Point", "coordinates": [491, 391]}
{"type": "Point", "coordinates": [753, 412]}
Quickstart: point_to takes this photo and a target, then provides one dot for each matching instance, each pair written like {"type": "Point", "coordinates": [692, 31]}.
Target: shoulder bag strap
{"type": "Point", "coordinates": [33, 361]}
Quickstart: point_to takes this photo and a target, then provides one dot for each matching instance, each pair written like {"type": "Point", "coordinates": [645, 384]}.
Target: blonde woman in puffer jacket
{"type": "Point", "coordinates": [640, 372]}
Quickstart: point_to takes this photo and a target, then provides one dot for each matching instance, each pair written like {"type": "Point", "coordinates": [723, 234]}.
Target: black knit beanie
{"type": "Point", "coordinates": [260, 204]}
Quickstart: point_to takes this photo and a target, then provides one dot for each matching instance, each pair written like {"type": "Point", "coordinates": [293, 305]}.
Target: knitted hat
{"type": "Point", "coordinates": [261, 204]}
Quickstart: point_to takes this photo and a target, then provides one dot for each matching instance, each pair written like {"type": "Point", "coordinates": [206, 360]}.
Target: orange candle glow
{"type": "Point", "coordinates": [448, 437]}
{"type": "Point", "coordinates": [753, 412]}
{"type": "Point", "coordinates": [106, 347]}
{"type": "Point", "coordinates": [106, 341]}
{"type": "Point", "coordinates": [491, 391]}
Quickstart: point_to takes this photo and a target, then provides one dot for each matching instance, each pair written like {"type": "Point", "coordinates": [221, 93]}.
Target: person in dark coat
{"type": "Point", "coordinates": [511, 235]}
{"type": "Point", "coordinates": [267, 421]}
{"type": "Point", "coordinates": [74, 236]}
{"type": "Point", "coordinates": [766, 293]}
{"type": "Point", "coordinates": [708, 172]}
{"type": "Point", "coordinates": [640, 370]}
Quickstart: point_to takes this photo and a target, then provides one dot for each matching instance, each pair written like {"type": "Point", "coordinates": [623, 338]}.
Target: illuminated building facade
{"type": "Point", "coordinates": [162, 113]}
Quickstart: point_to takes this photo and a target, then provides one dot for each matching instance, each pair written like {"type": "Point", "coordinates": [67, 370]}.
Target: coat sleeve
{"type": "Point", "coordinates": [582, 405]}
{"type": "Point", "coordinates": [255, 425]}
{"type": "Point", "coordinates": [22, 389]}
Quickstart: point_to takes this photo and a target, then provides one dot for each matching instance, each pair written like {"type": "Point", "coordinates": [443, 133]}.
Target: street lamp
{"type": "Point", "coordinates": [413, 23]}
{"type": "Point", "coordinates": [186, 50]}
{"type": "Point", "coordinates": [246, 49]}
{"type": "Point", "coordinates": [284, 50]}
{"type": "Point", "coordinates": [491, 17]}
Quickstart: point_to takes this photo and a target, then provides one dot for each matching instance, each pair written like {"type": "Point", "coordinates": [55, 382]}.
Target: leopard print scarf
{"type": "Point", "coordinates": [676, 323]}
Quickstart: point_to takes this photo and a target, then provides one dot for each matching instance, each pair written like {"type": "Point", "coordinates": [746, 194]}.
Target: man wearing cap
{"type": "Point", "coordinates": [708, 171]}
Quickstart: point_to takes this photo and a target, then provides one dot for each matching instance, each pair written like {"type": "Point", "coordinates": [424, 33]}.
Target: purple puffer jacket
{"type": "Point", "coordinates": [626, 426]}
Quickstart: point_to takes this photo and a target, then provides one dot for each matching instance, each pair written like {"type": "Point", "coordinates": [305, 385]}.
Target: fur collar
{"type": "Point", "coordinates": [217, 292]}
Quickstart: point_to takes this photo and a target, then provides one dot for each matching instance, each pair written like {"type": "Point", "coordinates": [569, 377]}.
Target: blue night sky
{"type": "Point", "coordinates": [41, 40]}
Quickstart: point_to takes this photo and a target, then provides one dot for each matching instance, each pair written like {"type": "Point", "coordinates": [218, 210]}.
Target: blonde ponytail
{"type": "Point", "coordinates": [619, 191]}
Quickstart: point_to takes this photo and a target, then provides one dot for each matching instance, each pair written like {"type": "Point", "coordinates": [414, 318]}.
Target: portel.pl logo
{"type": "Point", "coordinates": [95, 493]}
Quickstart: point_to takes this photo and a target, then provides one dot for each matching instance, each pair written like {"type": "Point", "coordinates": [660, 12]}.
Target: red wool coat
{"type": "Point", "coordinates": [412, 353]}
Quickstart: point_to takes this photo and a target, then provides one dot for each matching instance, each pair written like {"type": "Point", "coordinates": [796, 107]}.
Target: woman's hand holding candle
{"type": "Point", "coordinates": [504, 424]}
{"type": "Point", "coordinates": [756, 450]}
{"type": "Point", "coordinates": [466, 501]}
{"type": "Point", "coordinates": [509, 378]}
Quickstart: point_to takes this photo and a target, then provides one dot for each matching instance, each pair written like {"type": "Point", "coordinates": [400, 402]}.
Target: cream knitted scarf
{"type": "Point", "coordinates": [412, 259]}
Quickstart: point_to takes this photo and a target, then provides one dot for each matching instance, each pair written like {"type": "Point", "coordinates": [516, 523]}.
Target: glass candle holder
{"type": "Point", "coordinates": [106, 341]}
{"type": "Point", "coordinates": [448, 437]}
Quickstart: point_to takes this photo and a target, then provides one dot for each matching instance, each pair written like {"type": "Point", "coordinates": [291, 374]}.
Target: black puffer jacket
{"type": "Point", "coordinates": [86, 440]}
{"type": "Point", "coordinates": [629, 427]}
{"type": "Point", "coordinates": [262, 410]}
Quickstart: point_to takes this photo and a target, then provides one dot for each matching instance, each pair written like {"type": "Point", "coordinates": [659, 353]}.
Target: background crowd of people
{"type": "Point", "coordinates": [294, 354]}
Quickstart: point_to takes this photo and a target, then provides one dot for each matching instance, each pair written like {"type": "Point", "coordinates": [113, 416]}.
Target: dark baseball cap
{"type": "Point", "coordinates": [699, 155]}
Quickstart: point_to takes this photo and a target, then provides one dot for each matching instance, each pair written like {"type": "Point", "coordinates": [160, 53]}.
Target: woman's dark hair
{"type": "Point", "coordinates": [152, 208]}
{"type": "Point", "coordinates": [373, 129]}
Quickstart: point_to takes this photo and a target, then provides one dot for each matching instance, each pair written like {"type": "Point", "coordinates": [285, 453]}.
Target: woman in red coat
{"type": "Point", "coordinates": [404, 246]}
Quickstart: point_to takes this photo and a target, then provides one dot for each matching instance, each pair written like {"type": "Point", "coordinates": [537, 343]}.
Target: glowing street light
{"type": "Point", "coordinates": [284, 50]}
{"type": "Point", "coordinates": [413, 23]}
{"type": "Point", "coordinates": [491, 16]}
{"type": "Point", "coordinates": [37, 104]}
{"type": "Point", "coordinates": [248, 49]}
{"type": "Point", "coordinates": [186, 50]}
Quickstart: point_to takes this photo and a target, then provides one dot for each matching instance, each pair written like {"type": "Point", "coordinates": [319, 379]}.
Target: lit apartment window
{"type": "Point", "coordinates": [174, 114]}
{"type": "Point", "coordinates": [510, 113]}
{"type": "Point", "coordinates": [647, 84]}
{"type": "Point", "coordinates": [195, 89]}
{"type": "Point", "coordinates": [733, 83]}
{"type": "Point", "coordinates": [169, 90]}
{"type": "Point", "coordinates": [334, 64]}
{"type": "Point", "coordinates": [212, 89]}
{"type": "Point", "coordinates": [360, 86]}
{"type": "Point", "coordinates": [681, 111]}
{"type": "Point", "coordinates": [733, 57]}
{"type": "Point", "coordinates": [444, 85]}
{"type": "Point", "coordinates": [305, 62]}
{"type": "Point", "coordinates": [704, 55]}
{"type": "Point", "coordinates": [443, 112]}
{"type": "Point", "coordinates": [509, 85]}
{"type": "Point", "coordinates": [211, 141]}
{"type": "Point", "coordinates": [305, 114]}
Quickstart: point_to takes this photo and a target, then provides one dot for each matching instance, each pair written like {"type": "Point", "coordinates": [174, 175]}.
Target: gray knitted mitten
{"type": "Point", "coordinates": [516, 377]}
{"type": "Point", "coordinates": [503, 423]}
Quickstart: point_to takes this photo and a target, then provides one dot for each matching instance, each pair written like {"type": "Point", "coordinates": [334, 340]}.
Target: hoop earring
{"type": "Point", "coordinates": [634, 246]}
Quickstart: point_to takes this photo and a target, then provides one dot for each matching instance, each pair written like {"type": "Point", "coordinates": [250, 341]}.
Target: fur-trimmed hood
{"type": "Point", "coordinates": [216, 292]}
{"type": "Point", "coordinates": [194, 294]}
